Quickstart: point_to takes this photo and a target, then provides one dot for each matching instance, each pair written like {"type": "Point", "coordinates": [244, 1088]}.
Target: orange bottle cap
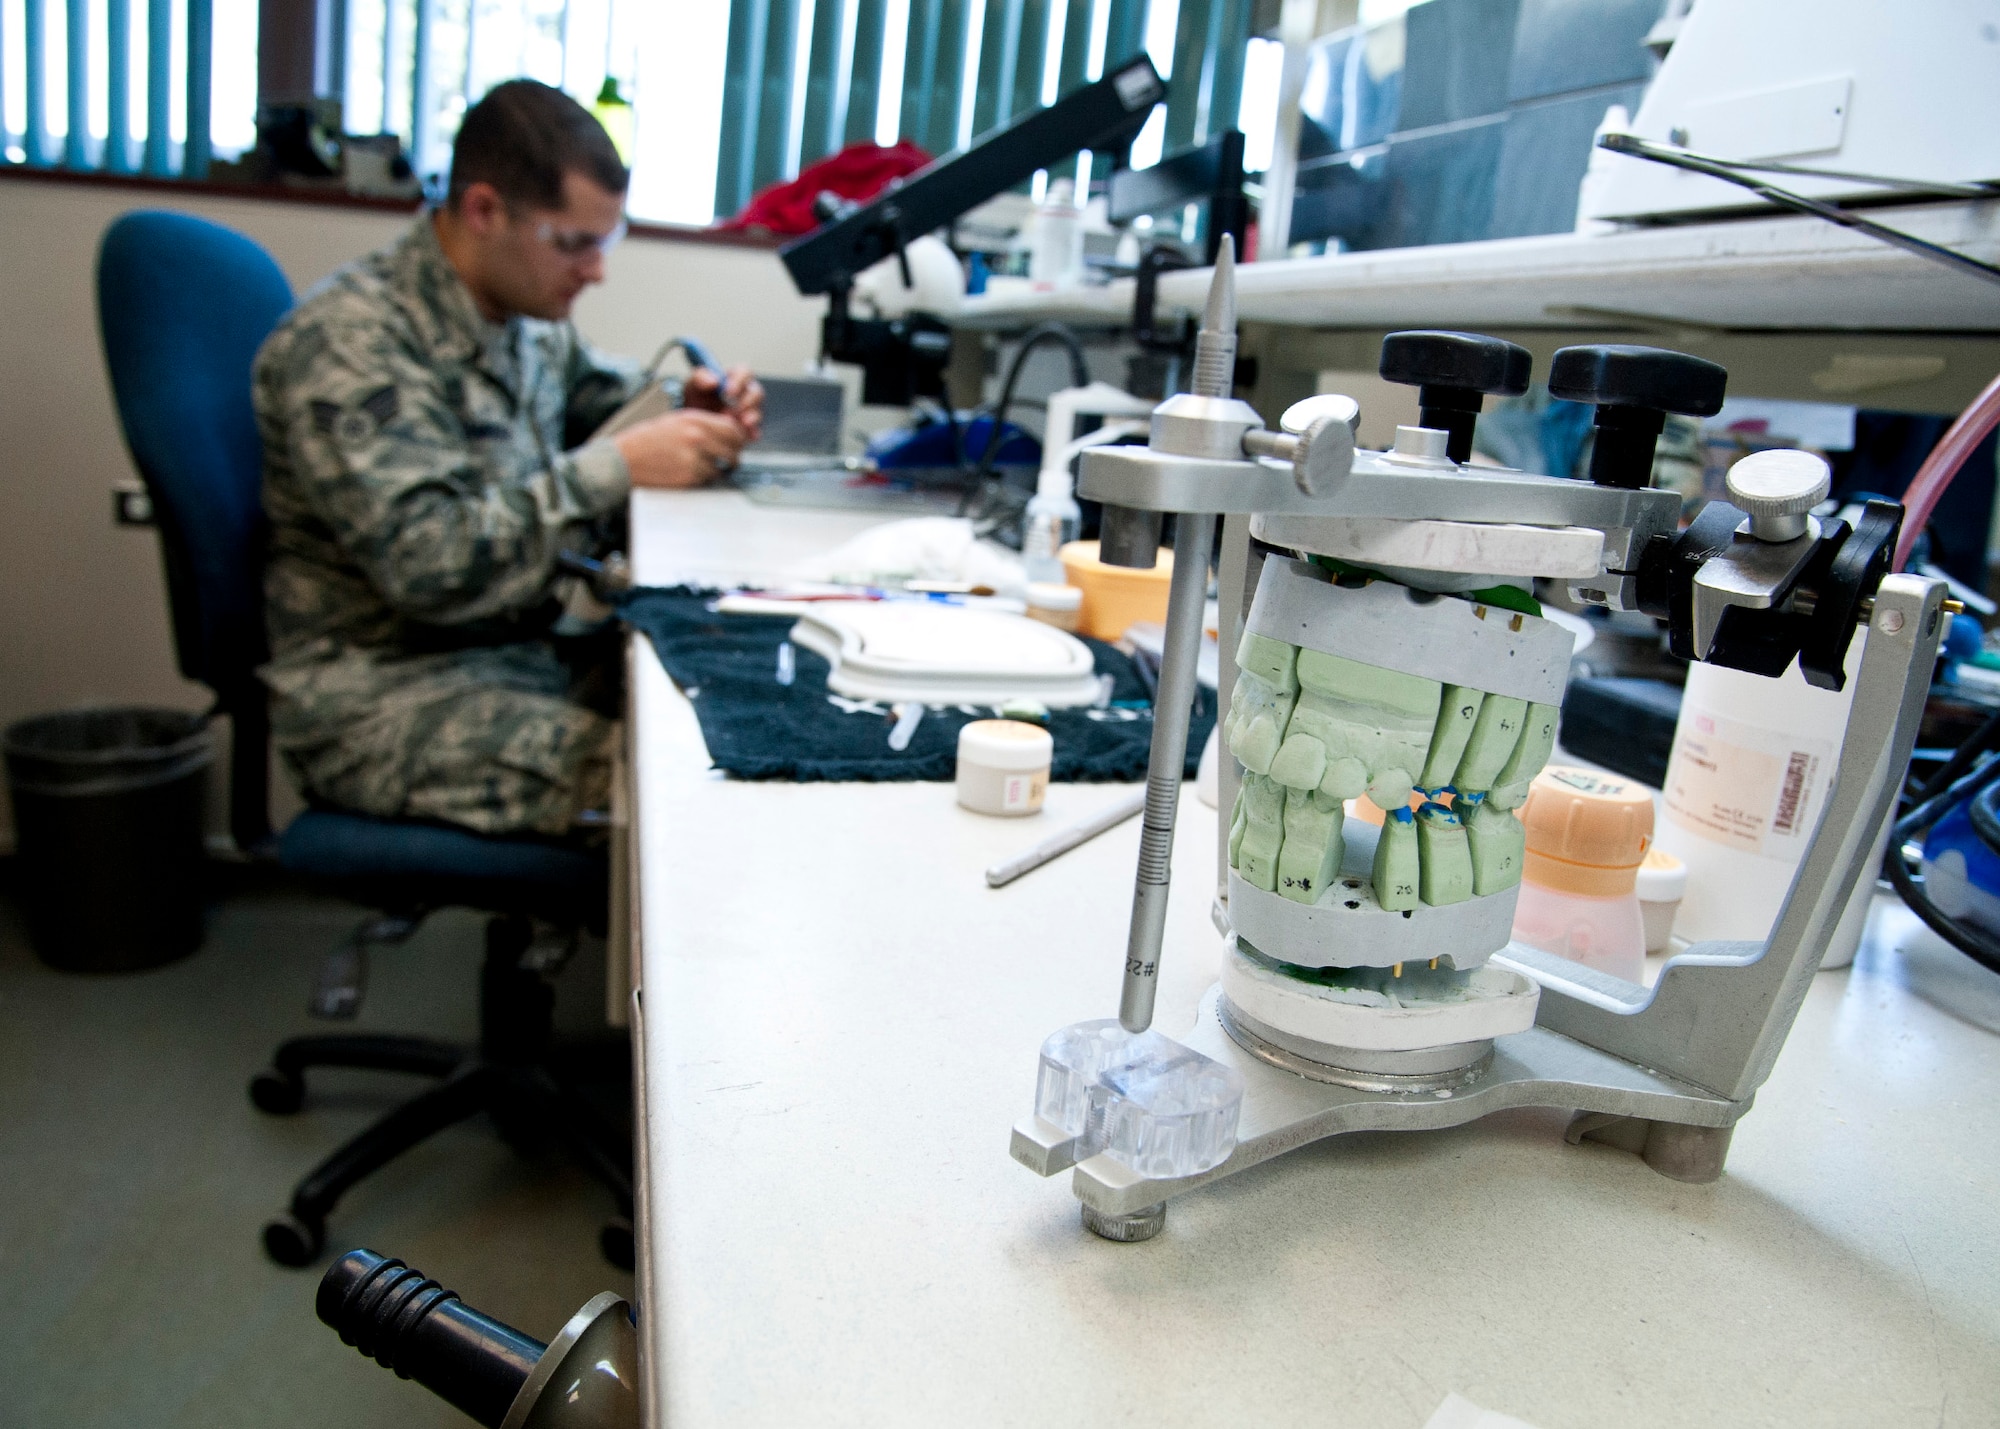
{"type": "Point", "coordinates": [1587, 831]}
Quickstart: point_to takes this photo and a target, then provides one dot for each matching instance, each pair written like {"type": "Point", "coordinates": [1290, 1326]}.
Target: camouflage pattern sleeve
{"type": "Point", "coordinates": [448, 524]}
{"type": "Point", "coordinates": [598, 385]}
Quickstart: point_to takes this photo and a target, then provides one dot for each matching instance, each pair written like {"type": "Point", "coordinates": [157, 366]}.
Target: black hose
{"type": "Point", "coordinates": [1976, 744]}
{"type": "Point", "coordinates": [1985, 816]}
{"type": "Point", "coordinates": [1030, 340]}
{"type": "Point", "coordinates": [1974, 942]}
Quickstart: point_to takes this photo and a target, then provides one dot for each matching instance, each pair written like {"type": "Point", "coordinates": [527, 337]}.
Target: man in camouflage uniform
{"type": "Point", "coordinates": [426, 416]}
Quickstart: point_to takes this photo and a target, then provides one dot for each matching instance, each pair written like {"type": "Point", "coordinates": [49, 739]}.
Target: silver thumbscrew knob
{"type": "Point", "coordinates": [1329, 417]}
{"type": "Point", "coordinates": [1776, 489]}
{"type": "Point", "coordinates": [1300, 416]}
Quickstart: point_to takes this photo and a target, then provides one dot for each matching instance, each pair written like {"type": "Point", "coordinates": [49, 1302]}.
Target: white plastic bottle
{"type": "Point", "coordinates": [1050, 523]}
{"type": "Point", "coordinates": [1055, 249]}
{"type": "Point", "coordinates": [1751, 771]}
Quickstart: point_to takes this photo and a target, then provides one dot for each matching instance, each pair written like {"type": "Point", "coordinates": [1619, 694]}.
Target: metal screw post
{"type": "Point", "coordinates": [1194, 538]}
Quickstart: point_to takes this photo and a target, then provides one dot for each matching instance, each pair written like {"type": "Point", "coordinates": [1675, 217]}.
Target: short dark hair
{"type": "Point", "coordinates": [522, 138]}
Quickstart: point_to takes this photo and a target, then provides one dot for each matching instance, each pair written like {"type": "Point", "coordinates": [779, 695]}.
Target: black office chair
{"type": "Point", "coordinates": [183, 306]}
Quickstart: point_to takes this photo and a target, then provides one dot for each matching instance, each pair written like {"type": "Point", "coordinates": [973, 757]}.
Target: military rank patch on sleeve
{"type": "Point", "coordinates": [353, 425]}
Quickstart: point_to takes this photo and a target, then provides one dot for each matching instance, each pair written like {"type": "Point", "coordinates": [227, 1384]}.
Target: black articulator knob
{"type": "Point", "coordinates": [1633, 389]}
{"type": "Point", "coordinates": [1452, 372]}
{"type": "Point", "coordinates": [420, 1330]}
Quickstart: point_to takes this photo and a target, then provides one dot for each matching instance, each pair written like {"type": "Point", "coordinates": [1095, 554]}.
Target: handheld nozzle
{"type": "Point", "coordinates": [414, 1326]}
{"type": "Point", "coordinates": [586, 1378]}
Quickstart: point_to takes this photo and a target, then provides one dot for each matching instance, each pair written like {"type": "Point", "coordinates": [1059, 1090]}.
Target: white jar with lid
{"type": "Point", "coordinates": [1055, 604]}
{"type": "Point", "coordinates": [1003, 766]}
{"type": "Point", "coordinates": [1661, 881]}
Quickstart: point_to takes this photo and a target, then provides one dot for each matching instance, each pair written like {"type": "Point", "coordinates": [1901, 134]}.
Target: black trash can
{"type": "Point", "coordinates": [108, 826]}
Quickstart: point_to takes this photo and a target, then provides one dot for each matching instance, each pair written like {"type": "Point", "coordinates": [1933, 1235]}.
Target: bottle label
{"type": "Point", "coordinates": [1023, 791]}
{"type": "Point", "coordinates": [1746, 787]}
{"type": "Point", "coordinates": [1042, 537]}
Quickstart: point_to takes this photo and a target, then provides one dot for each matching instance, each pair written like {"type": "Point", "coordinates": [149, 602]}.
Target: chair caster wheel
{"type": "Point", "coordinates": [291, 1241]}
{"type": "Point", "coordinates": [614, 1243]}
{"type": "Point", "coordinates": [276, 1093]}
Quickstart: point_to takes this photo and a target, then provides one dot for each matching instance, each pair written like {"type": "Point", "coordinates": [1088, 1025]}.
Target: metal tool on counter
{"type": "Point", "coordinates": [1056, 845]}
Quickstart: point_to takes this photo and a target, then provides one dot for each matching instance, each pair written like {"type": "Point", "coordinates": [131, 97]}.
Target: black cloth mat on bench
{"type": "Point", "coordinates": [757, 728]}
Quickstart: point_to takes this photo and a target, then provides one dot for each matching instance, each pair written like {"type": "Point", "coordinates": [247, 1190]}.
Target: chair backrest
{"type": "Point", "coordinates": [183, 305]}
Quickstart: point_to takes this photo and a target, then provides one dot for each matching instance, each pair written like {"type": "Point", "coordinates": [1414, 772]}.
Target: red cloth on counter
{"type": "Point", "coordinates": [858, 172]}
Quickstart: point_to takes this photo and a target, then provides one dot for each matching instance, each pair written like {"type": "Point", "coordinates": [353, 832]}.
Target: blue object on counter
{"type": "Point", "coordinates": [1962, 641]}
{"type": "Point", "coordinates": [936, 447]}
{"type": "Point", "coordinates": [1961, 874]}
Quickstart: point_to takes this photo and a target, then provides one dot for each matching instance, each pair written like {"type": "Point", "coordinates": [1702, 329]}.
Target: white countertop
{"type": "Point", "coordinates": [840, 1023]}
{"type": "Point", "coordinates": [1787, 271]}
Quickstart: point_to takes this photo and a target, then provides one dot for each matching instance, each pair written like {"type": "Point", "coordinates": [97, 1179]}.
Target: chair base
{"type": "Point", "coordinates": [532, 1088]}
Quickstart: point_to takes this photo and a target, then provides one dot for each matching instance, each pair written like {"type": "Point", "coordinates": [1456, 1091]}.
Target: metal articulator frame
{"type": "Point", "coordinates": [1721, 1011]}
{"type": "Point", "coordinates": [1372, 485]}
{"type": "Point", "coordinates": [1665, 1072]}
{"type": "Point", "coordinates": [1283, 1110]}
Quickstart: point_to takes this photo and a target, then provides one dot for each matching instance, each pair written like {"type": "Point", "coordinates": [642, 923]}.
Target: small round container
{"type": "Point", "coordinates": [1116, 596]}
{"type": "Point", "coordinates": [1003, 766]}
{"type": "Point", "coordinates": [1055, 604]}
{"type": "Point", "coordinates": [1587, 834]}
{"type": "Point", "coordinates": [1661, 881]}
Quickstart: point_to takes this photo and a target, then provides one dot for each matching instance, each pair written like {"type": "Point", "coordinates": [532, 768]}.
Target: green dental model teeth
{"type": "Point", "coordinates": [1314, 730]}
{"type": "Point", "coordinates": [1443, 856]}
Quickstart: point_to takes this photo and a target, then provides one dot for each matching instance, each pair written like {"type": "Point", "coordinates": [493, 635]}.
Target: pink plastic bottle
{"type": "Point", "coordinates": [1587, 835]}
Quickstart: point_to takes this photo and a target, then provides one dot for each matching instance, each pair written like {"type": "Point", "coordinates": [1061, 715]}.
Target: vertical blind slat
{"type": "Point", "coordinates": [1185, 84]}
{"type": "Point", "coordinates": [76, 56]}
{"type": "Point", "coordinates": [743, 78]}
{"type": "Point", "coordinates": [159, 101]}
{"type": "Point", "coordinates": [933, 73]}
{"type": "Point", "coordinates": [1125, 34]}
{"type": "Point", "coordinates": [949, 72]}
{"type": "Point", "coordinates": [336, 57]}
{"type": "Point", "coordinates": [1075, 47]}
{"type": "Point", "coordinates": [389, 47]}
{"type": "Point", "coordinates": [822, 127]}
{"type": "Point", "coordinates": [1070, 73]}
{"type": "Point", "coordinates": [1229, 41]}
{"type": "Point", "coordinates": [200, 55]}
{"type": "Point", "coordinates": [864, 83]}
{"type": "Point", "coordinates": [1024, 94]}
{"type": "Point", "coordinates": [917, 69]}
{"type": "Point", "coordinates": [423, 86]}
{"type": "Point", "coordinates": [35, 133]}
{"type": "Point", "coordinates": [774, 94]}
{"type": "Point", "coordinates": [118, 87]}
{"type": "Point", "coordinates": [998, 42]}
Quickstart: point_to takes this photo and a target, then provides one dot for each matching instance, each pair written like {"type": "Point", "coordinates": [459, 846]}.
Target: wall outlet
{"type": "Point", "coordinates": [131, 505]}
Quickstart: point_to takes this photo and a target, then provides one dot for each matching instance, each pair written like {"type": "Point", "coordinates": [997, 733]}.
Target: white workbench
{"type": "Point", "coordinates": [839, 1027]}
{"type": "Point", "coordinates": [1787, 271]}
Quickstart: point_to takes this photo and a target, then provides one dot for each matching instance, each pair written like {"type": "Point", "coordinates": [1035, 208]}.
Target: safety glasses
{"type": "Point", "coordinates": [577, 245]}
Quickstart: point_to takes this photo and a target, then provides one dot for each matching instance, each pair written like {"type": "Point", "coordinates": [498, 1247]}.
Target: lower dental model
{"type": "Point", "coordinates": [1313, 730]}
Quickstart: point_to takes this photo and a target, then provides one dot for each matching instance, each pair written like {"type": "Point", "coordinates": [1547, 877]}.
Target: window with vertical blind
{"type": "Point", "coordinates": [803, 78]}
{"type": "Point", "coordinates": [727, 97]}
{"type": "Point", "coordinates": [127, 86]}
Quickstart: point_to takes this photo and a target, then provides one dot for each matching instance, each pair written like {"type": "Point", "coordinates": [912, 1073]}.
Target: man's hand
{"type": "Point", "coordinates": [681, 449]}
{"type": "Point", "coordinates": [738, 394]}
